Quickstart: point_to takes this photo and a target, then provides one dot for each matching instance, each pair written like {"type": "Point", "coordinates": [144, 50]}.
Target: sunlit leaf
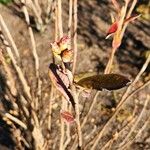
{"type": "Point", "coordinates": [104, 81]}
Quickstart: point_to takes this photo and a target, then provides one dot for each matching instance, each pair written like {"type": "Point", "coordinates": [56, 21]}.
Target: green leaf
{"type": "Point", "coordinates": [104, 81]}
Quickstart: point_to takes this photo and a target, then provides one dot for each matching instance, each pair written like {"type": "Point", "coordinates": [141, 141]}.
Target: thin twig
{"type": "Point", "coordinates": [107, 146]}
{"type": "Point", "coordinates": [30, 4]}
{"type": "Point", "coordinates": [123, 145]}
{"type": "Point", "coordinates": [138, 89]}
{"type": "Point", "coordinates": [90, 110]}
{"type": "Point", "coordinates": [132, 121]}
{"type": "Point", "coordinates": [137, 135]}
{"type": "Point", "coordinates": [16, 120]}
{"type": "Point", "coordinates": [10, 79]}
{"type": "Point", "coordinates": [74, 146]}
{"type": "Point", "coordinates": [69, 105]}
{"type": "Point", "coordinates": [48, 10]}
{"type": "Point", "coordinates": [34, 52]}
{"type": "Point", "coordinates": [10, 38]}
{"type": "Point", "coordinates": [62, 127]}
{"type": "Point", "coordinates": [68, 130]}
{"type": "Point", "coordinates": [110, 61]}
{"type": "Point", "coordinates": [75, 35]}
{"type": "Point", "coordinates": [60, 27]}
{"type": "Point", "coordinates": [38, 8]}
{"type": "Point", "coordinates": [70, 18]}
{"type": "Point", "coordinates": [50, 108]}
{"type": "Point", "coordinates": [23, 81]}
{"type": "Point", "coordinates": [128, 15]}
{"type": "Point", "coordinates": [76, 96]}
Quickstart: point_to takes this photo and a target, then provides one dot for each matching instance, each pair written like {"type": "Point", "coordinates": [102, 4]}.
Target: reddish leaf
{"type": "Point", "coordinates": [67, 116]}
{"type": "Point", "coordinates": [113, 28]}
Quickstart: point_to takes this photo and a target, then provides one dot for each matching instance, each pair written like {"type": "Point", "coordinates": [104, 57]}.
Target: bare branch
{"type": "Point", "coordinates": [23, 81]}
{"type": "Point", "coordinates": [74, 35]}
{"type": "Point", "coordinates": [123, 144]}
{"type": "Point", "coordinates": [16, 120]}
{"type": "Point", "coordinates": [60, 26]}
{"type": "Point", "coordinates": [11, 40]}
{"type": "Point", "coordinates": [34, 51]}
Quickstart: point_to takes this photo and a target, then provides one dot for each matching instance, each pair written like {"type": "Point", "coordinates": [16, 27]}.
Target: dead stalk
{"type": "Point", "coordinates": [10, 38]}
{"type": "Point", "coordinates": [77, 111]}
{"type": "Point", "coordinates": [70, 18]}
{"type": "Point", "coordinates": [74, 35]}
{"type": "Point", "coordinates": [133, 128]}
{"type": "Point", "coordinates": [110, 61]}
{"type": "Point", "coordinates": [107, 146]}
{"type": "Point", "coordinates": [138, 89]}
{"type": "Point", "coordinates": [50, 108]}
{"type": "Point", "coordinates": [29, 3]}
{"type": "Point", "coordinates": [14, 119]}
{"type": "Point", "coordinates": [69, 106]}
{"type": "Point", "coordinates": [10, 79]}
{"type": "Point", "coordinates": [62, 126]}
{"type": "Point", "coordinates": [137, 135]}
{"type": "Point", "coordinates": [132, 121]}
{"type": "Point", "coordinates": [68, 130]}
{"type": "Point", "coordinates": [34, 52]}
{"type": "Point", "coordinates": [90, 110]}
{"type": "Point", "coordinates": [22, 79]}
{"type": "Point", "coordinates": [38, 8]}
{"type": "Point", "coordinates": [60, 26]}
{"type": "Point", "coordinates": [48, 10]}
{"type": "Point", "coordinates": [128, 15]}
{"type": "Point", "coordinates": [124, 97]}
{"type": "Point", "coordinates": [74, 146]}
